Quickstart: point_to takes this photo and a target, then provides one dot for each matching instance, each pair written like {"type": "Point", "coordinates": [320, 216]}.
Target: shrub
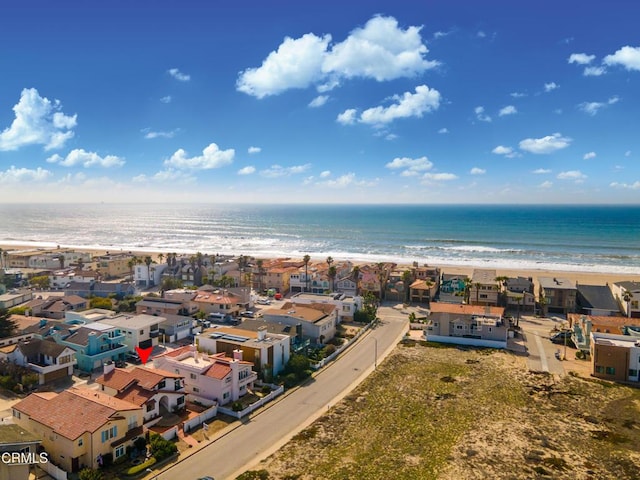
{"type": "Point", "coordinates": [140, 443]}
{"type": "Point", "coordinates": [143, 466]}
{"type": "Point", "coordinates": [161, 448]}
{"type": "Point", "coordinates": [329, 350]}
{"type": "Point", "coordinates": [266, 389]}
{"type": "Point", "coordinates": [90, 474]}
{"type": "Point", "coordinates": [236, 406]}
{"type": "Point", "coordinates": [254, 475]}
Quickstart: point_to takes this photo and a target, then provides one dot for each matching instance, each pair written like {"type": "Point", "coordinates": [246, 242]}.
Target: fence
{"type": "Point", "coordinates": [327, 359]}
{"type": "Point", "coordinates": [171, 433]}
{"type": "Point", "coordinates": [277, 390]}
{"type": "Point", "coordinates": [473, 342]}
{"type": "Point", "coordinates": [202, 417]}
{"type": "Point", "coordinates": [53, 471]}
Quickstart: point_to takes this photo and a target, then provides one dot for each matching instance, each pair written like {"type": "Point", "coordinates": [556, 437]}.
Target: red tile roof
{"type": "Point", "coordinates": [218, 371]}
{"type": "Point", "coordinates": [74, 411]}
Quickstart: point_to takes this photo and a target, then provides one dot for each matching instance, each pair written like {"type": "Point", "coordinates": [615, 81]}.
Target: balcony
{"type": "Point", "coordinates": [154, 333]}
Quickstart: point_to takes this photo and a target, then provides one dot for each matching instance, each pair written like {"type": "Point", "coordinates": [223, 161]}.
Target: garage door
{"type": "Point", "coordinates": [55, 375]}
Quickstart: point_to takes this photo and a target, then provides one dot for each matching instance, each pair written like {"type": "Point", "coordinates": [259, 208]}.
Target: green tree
{"type": "Point", "coordinates": [332, 273]}
{"type": "Point", "coordinates": [40, 281]}
{"type": "Point", "coordinates": [7, 325]}
{"type": "Point", "coordinates": [299, 365]}
{"type": "Point", "coordinates": [407, 280]}
{"type": "Point", "coordinates": [170, 283]}
{"type": "Point", "coordinates": [259, 264]}
{"type": "Point", "coordinates": [477, 286]}
{"type": "Point", "coordinates": [370, 306]}
{"type": "Point", "coordinates": [467, 289]}
{"type": "Point", "coordinates": [148, 261]}
{"type": "Point", "coordinates": [161, 448]}
{"type": "Point", "coordinates": [627, 298]}
{"type": "Point", "coordinates": [100, 302]}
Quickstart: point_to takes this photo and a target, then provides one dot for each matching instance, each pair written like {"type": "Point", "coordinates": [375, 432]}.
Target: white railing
{"type": "Point", "coordinates": [278, 390]}
{"type": "Point", "coordinates": [201, 418]}
{"type": "Point", "coordinates": [327, 359]}
{"type": "Point", "coordinates": [53, 471]}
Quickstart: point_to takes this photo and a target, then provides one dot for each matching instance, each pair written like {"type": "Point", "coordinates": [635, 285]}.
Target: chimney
{"type": "Point", "coordinates": [237, 354]}
{"type": "Point", "coordinates": [262, 333]}
{"type": "Point", "coordinates": [108, 367]}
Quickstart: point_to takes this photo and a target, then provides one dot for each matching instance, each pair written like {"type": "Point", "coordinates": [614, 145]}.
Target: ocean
{"type": "Point", "coordinates": [581, 238]}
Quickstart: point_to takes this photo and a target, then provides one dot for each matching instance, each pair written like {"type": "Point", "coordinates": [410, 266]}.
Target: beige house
{"type": "Point", "coordinates": [557, 295]}
{"type": "Point", "coordinates": [422, 291]}
{"type": "Point", "coordinates": [318, 320]}
{"type": "Point", "coordinates": [114, 265]}
{"type": "Point", "coordinates": [484, 289]}
{"type": "Point", "coordinates": [466, 324]}
{"type": "Point", "coordinates": [79, 426]}
{"type": "Point", "coordinates": [16, 440]}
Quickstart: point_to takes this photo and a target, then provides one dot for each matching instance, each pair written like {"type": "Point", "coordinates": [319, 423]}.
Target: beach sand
{"type": "Point", "coordinates": [584, 278]}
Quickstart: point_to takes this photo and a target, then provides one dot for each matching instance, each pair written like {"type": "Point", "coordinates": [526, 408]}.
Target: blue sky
{"type": "Point", "coordinates": [320, 102]}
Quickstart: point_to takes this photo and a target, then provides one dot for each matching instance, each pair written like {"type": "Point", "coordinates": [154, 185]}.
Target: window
{"type": "Point", "coordinates": [180, 400]}
{"type": "Point", "coordinates": [193, 376]}
{"type": "Point", "coordinates": [225, 395]}
{"type": "Point", "coordinates": [633, 373]}
{"type": "Point", "coordinates": [177, 385]}
{"type": "Point", "coordinates": [16, 413]}
{"type": "Point", "coordinates": [459, 327]}
{"type": "Point", "coordinates": [80, 442]}
{"type": "Point", "coordinates": [113, 431]}
{"type": "Point", "coordinates": [610, 370]}
{"type": "Point", "coordinates": [196, 390]}
{"type": "Point", "coordinates": [599, 369]}
{"type": "Point", "coordinates": [162, 384]}
{"type": "Point", "coordinates": [119, 451]}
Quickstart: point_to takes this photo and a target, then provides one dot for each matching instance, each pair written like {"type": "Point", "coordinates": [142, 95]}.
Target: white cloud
{"type": "Point", "coordinates": [546, 184]}
{"type": "Point", "coordinates": [325, 174]}
{"type": "Point", "coordinates": [166, 99]}
{"type": "Point", "coordinates": [380, 50]}
{"type": "Point", "coordinates": [254, 150]}
{"type": "Point", "coordinates": [630, 186]}
{"type": "Point", "coordinates": [628, 57]}
{"type": "Point", "coordinates": [581, 58]}
{"type": "Point", "coordinates": [416, 104]}
{"type": "Point", "coordinates": [170, 175]}
{"type": "Point", "coordinates": [506, 151]}
{"type": "Point", "coordinates": [276, 171]}
{"type": "Point", "coordinates": [86, 159]}
{"type": "Point", "coordinates": [576, 175]}
{"type": "Point", "coordinates": [440, 177]}
{"type": "Point", "coordinates": [592, 108]}
{"type": "Point", "coordinates": [17, 175]}
{"type": "Point", "coordinates": [443, 130]}
{"type": "Point", "coordinates": [247, 170]}
{"type": "Point", "coordinates": [589, 155]}
{"type": "Point", "coordinates": [37, 121]}
{"type": "Point", "coordinates": [212, 157]}
{"type": "Point", "coordinates": [178, 75]}
{"type": "Point", "coordinates": [548, 144]}
{"type": "Point", "coordinates": [477, 171]}
{"type": "Point", "coordinates": [149, 134]}
{"type": "Point", "coordinates": [518, 94]}
{"type": "Point", "coordinates": [508, 110]}
{"type": "Point", "coordinates": [548, 87]}
{"type": "Point", "coordinates": [594, 71]}
{"type": "Point", "coordinates": [480, 115]}
{"type": "Point", "coordinates": [347, 180]}
{"type": "Point", "coordinates": [541, 171]}
{"type": "Point", "coordinates": [319, 101]}
{"type": "Point", "coordinates": [481, 34]}
{"type": "Point", "coordinates": [410, 166]}
{"type": "Point", "coordinates": [348, 117]}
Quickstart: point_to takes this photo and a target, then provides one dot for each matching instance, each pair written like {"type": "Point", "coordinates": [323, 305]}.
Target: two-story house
{"type": "Point", "coordinates": [318, 320]}
{"type": "Point", "coordinates": [520, 294]}
{"type": "Point", "coordinates": [156, 391]}
{"type": "Point", "coordinates": [50, 360]}
{"type": "Point", "coordinates": [627, 294]}
{"type": "Point", "coordinates": [94, 344]}
{"type": "Point", "coordinates": [467, 325]}
{"type": "Point", "coordinates": [138, 330]}
{"type": "Point", "coordinates": [557, 295]}
{"type": "Point", "coordinates": [346, 306]}
{"type": "Point", "coordinates": [484, 287]}
{"type": "Point", "coordinates": [80, 425]}
{"type": "Point", "coordinates": [209, 379]}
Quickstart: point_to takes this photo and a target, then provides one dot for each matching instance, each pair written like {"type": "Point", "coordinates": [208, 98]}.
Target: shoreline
{"type": "Point", "coordinates": [581, 277]}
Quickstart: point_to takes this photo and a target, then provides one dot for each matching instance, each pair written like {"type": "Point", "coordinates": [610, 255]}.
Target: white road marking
{"type": "Point", "coordinates": [541, 353]}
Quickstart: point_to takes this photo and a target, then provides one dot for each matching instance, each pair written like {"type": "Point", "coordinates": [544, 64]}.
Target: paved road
{"type": "Point", "coordinates": [266, 431]}
{"type": "Point", "coordinates": [542, 353]}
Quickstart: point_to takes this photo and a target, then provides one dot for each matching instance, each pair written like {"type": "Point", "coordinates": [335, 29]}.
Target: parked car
{"type": "Point", "coordinates": [248, 314]}
{"type": "Point", "coordinates": [133, 358]}
{"type": "Point", "coordinates": [562, 336]}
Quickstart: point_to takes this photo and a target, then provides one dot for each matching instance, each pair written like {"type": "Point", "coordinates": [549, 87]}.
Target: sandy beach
{"type": "Point", "coordinates": [584, 278]}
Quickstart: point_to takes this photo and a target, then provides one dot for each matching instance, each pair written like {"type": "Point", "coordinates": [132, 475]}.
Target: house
{"type": "Point", "coordinates": [160, 306]}
{"type": "Point", "coordinates": [59, 279]}
{"type": "Point", "coordinates": [80, 426]}
{"type": "Point", "coordinates": [56, 307]}
{"type": "Point", "coordinates": [99, 289]}
{"type": "Point", "coordinates": [175, 327]}
{"type": "Point", "coordinates": [265, 350]}
{"type": "Point", "coordinates": [22, 323]}
{"type": "Point", "coordinates": [156, 391]}
{"type": "Point", "coordinates": [220, 301]}
{"type": "Point", "coordinates": [87, 316]}
{"type": "Point", "coordinates": [596, 300]}
{"type": "Point", "coordinates": [148, 276]}
{"type": "Point", "coordinates": [520, 294]}
{"type": "Point", "coordinates": [346, 305]}
{"type": "Point", "coordinates": [630, 290]}
{"type": "Point", "coordinates": [348, 284]}
{"type": "Point", "coordinates": [557, 295]}
{"type": "Point", "coordinates": [138, 330]}
{"type": "Point", "coordinates": [615, 357]}
{"type": "Point", "coordinates": [18, 450]}
{"type": "Point", "coordinates": [318, 320]}
{"type": "Point", "coordinates": [422, 291]}
{"type": "Point", "coordinates": [58, 259]}
{"type": "Point", "coordinates": [95, 344]}
{"type": "Point", "coordinates": [114, 265]}
{"type": "Point", "coordinates": [50, 360]}
{"type": "Point", "coordinates": [484, 288]}
{"type": "Point", "coordinates": [209, 379]}
{"type": "Point", "coordinates": [14, 298]}
{"type": "Point", "coordinates": [467, 325]}
{"type": "Point", "coordinates": [452, 288]}
{"type": "Point", "coordinates": [583, 325]}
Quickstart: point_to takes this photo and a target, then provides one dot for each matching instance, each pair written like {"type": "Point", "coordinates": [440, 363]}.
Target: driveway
{"type": "Point", "coordinates": [542, 353]}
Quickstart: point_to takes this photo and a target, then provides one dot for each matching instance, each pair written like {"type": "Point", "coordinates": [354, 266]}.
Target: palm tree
{"type": "Point", "coordinates": [1, 263]}
{"type": "Point", "coordinates": [355, 275]}
{"type": "Point", "coordinates": [407, 278]}
{"type": "Point", "coordinates": [467, 289]}
{"type": "Point", "coordinates": [259, 264]}
{"type": "Point", "coordinates": [329, 261]}
{"type": "Point", "coordinates": [627, 298]}
{"type": "Point", "coordinates": [332, 273]}
{"type": "Point", "coordinates": [428, 283]}
{"type": "Point", "coordinates": [477, 286]}
{"type": "Point", "coordinates": [381, 278]}
{"type": "Point", "coordinates": [148, 261]}
{"type": "Point", "coordinates": [306, 260]}
{"type": "Point", "coordinates": [132, 263]}
{"type": "Point", "coordinates": [5, 254]}
{"type": "Point", "coordinates": [160, 257]}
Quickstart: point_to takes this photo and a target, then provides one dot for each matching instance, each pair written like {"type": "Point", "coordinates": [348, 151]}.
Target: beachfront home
{"type": "Point", "coordinates": [114, 265]}
{"type": "Point", "coordinates": [615, 357]}
{"type": "Point", "coordinates": [157, 391]}
{"type": "Point", "coordinates": [48, 359]}
{"type": "Point", "coordinates": [596, 300]}
{"type": "Point", "coordinates": [627, 294]}
{"type": "Point", "coordinates": [422, 291]}
{"type": "Point", "coordinates": [346, 306]}
{"type": "Point", "coordinates": [467, 325]}
{"type": "Point", "coordinates": [209, 379]}
{"type": "Point", "coordinates": [519, 293]}
{"type": "Point", "coordinates": [16, 440]}
{"type": "Point", "coordinates": [79, 426]}
{"type": "Point", "coordinates": [269, 352]}
{"type": "Point", "coordinates": [484, 287]}
{"type": "Point", "coordinates": [557, 295]}
{"type": "Point", "coordinates": [348, 284]}
{"type": "Point", "coordinates": [318, 320]}
{"type": "Point", "coordinates": [452, 288]}
{"type": "Point", "coordinates": [148, 276]}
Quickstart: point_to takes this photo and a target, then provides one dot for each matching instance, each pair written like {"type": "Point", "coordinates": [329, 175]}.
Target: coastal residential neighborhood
{"type": "Point", "coordinates": [115, 361]}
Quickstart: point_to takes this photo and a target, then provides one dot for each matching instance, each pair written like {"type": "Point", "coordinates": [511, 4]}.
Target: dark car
{"type": "Point", "coordinates": [561, 337]}
{"type": "Point", "coordinates": [133, 358]}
